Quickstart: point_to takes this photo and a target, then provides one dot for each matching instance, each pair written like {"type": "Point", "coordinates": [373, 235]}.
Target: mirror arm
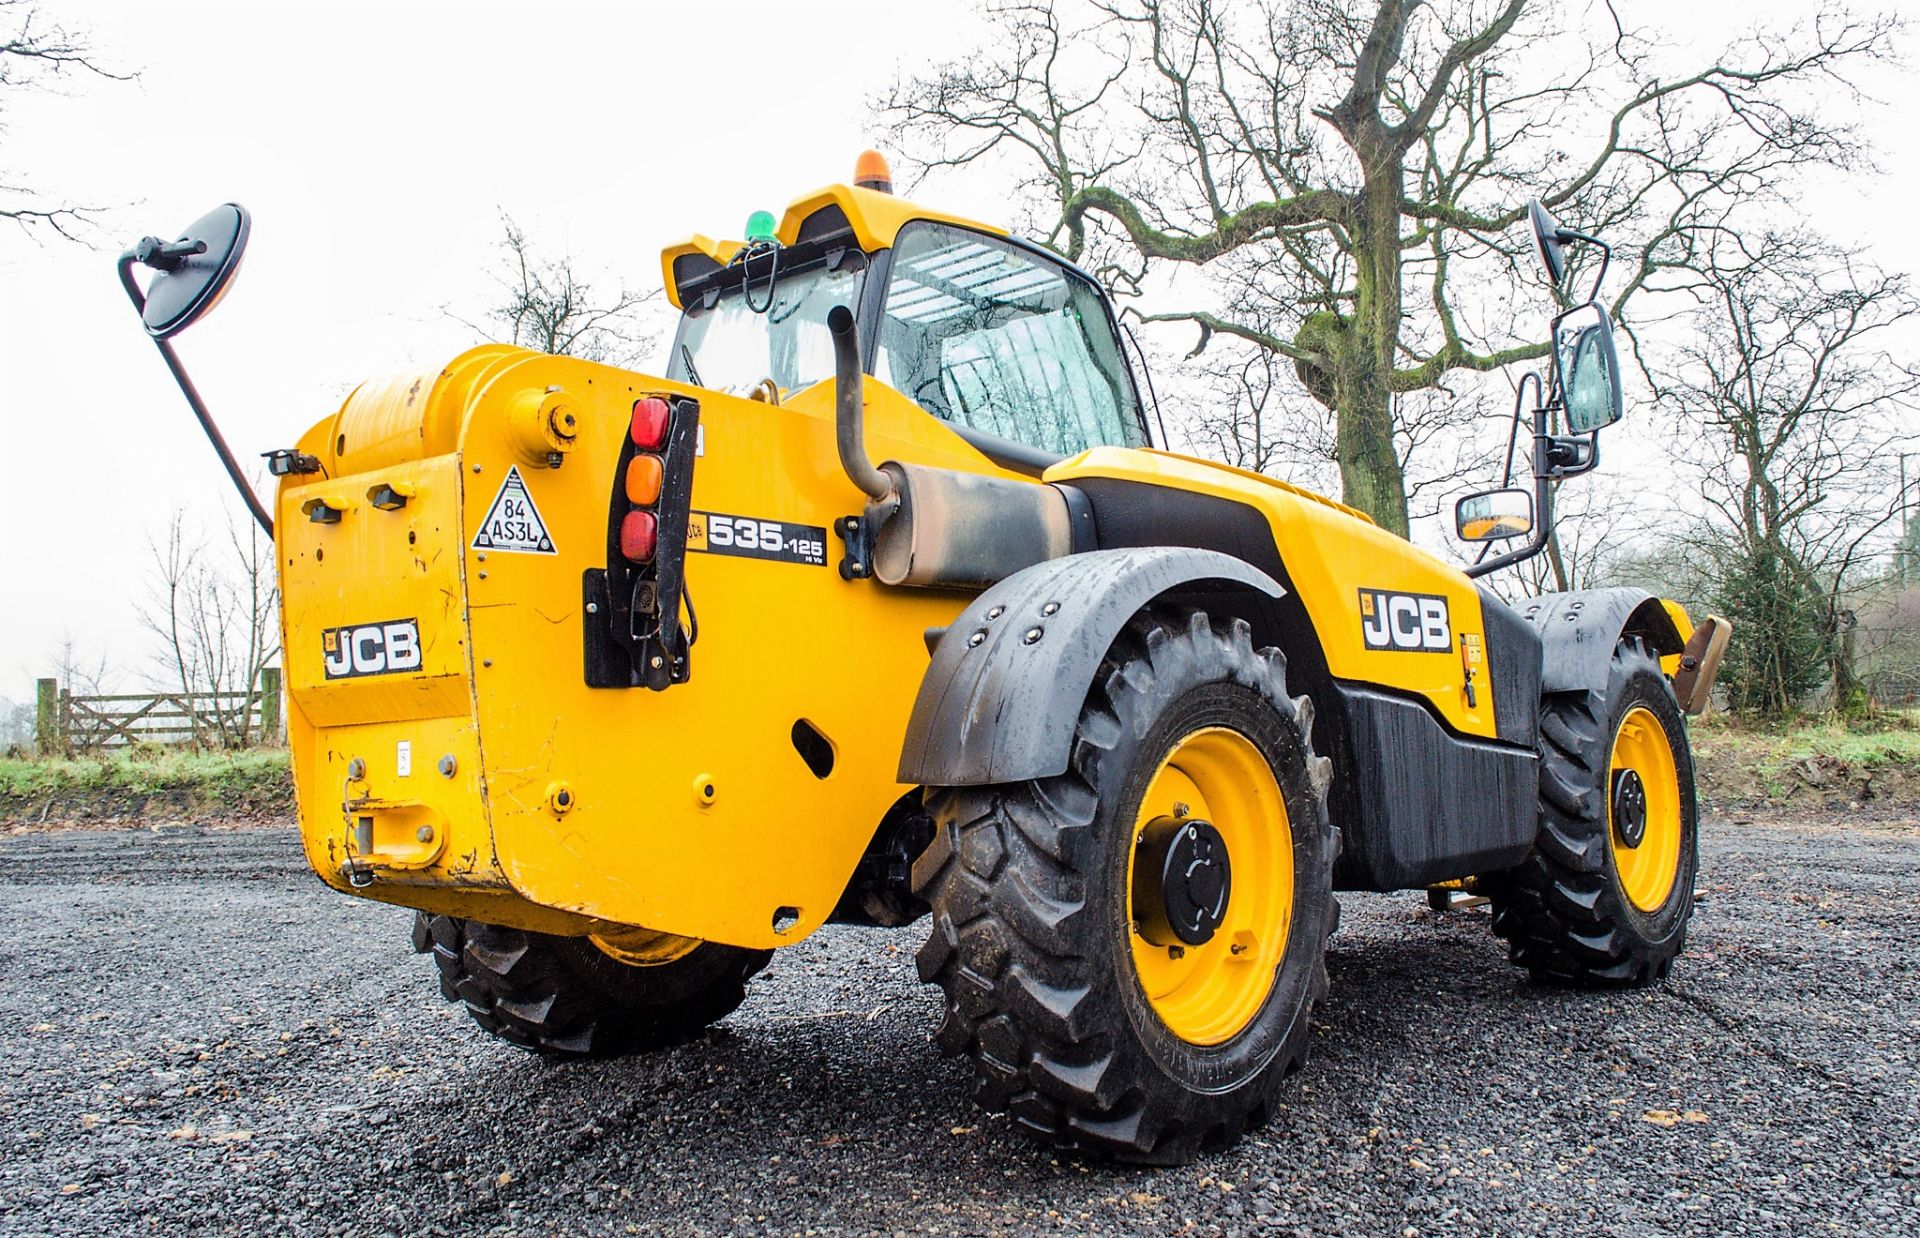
{"type": "Point", "coordinates": [1513, 438]}
{"type": "Point", "coordinates": [1542, 505]}
{"type": "Point", "coordinates": [1606, 257]}
{"type": "Point", "coordinates": [1513, 431]}
{"type": "Point", "coordinates": [139, 299]}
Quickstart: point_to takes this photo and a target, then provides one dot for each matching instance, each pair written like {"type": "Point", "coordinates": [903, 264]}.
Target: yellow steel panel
{"type": "Point", "coordinates": [375, 567]}
{"type": "Point", "coordinates": [1332, 553]}
{"type": "Point", "coordinates": [500, 684]}
{"type": "Point", "coordinates": [779, 642]}
{"type": "Point", "coordinates": [1683, 624]}
{"type": "Point", "coordinates": [494, 673]}
{"type": "Point", "coordinates": [876, 217]}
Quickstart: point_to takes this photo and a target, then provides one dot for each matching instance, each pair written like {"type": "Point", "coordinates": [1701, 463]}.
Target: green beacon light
{"type": "Point", "coordinates": [760, 229]}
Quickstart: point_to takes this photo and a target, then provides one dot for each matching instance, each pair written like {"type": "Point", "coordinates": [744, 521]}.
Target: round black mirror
{"type": "Point", "coordinates": [1546, 239]}
{"type": "Point", "coordinates": [192, 273]}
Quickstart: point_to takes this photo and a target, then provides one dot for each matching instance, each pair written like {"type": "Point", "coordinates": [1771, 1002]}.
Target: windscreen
{"type": "Point", "coordinates": [772, 326]}
{"type": "Point", "coordinates": [1003, 339]}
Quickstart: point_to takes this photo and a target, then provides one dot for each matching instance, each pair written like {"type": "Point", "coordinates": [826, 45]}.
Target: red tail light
{"type": "Point", "coordinates": [639, 532]}
{"type": "Point", "coordinates": [649, 423]}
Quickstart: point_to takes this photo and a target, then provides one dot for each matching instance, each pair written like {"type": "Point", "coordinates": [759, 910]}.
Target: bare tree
{"type": "Point", "coordinates": [214, 608]}
{"type": "Point", "coordinates": [546, 305]}
{"type": "Point", "coordinates": [36, 53]}
{"type": "Point", "coordinates": [82, 672]}
{"type": "Point", "coordinates": [1253, 419]}
{"type": "Point", "coordinates": [16, 728]}
{"type": "Point", "coordinates": [1596, 528]}
{"type": "Point", "coordinates": [1351, 173]}
{"type": "Point", "coordinates": [79, 670]}
{"type": "Point", "coordinates": [1795, 406]}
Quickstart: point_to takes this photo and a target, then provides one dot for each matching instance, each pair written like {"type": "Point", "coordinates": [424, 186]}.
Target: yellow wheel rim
{"type": "Point", "coordinates": [1208, 994]}
{"type": "Point", "coordinates": [1646, 870]}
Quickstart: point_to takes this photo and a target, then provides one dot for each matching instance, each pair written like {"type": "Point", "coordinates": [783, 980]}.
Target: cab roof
{"type": "Point", "coordinates": [871, 218]}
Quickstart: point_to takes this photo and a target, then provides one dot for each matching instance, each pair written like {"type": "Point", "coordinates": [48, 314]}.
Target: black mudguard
{"type": "Point", "coordinates": [1580, 629]}
{"type": "Point", "coordinates": [1008, 678]}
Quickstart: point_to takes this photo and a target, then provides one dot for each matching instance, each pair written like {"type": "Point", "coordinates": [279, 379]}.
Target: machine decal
{"type": "Point", "coordinates": [513, 522]}
{"type": "Point", "coordinates": [387, 648]}
{"type": "Point", "coordinates": [1416, 622]}
{"type": "Point", "coordinates": [714, 533]}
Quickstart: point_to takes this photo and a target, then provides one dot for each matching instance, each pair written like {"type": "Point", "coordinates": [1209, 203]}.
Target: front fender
{"type": "Point", "coordinates": [1580, 629]}
{"type": "Point", "coordinates": [999, 702]}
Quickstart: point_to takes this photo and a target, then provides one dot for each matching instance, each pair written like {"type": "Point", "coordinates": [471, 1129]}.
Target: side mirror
{"type": "Point", "coordinates": [1586, 368]}
{"type": "Point", "coordinates": [192, 273]}
{"type": "Point", "coordinates": [1494, 515]}
{"type": "Point", "coordinates": [1546, 240]}
{"type": "Point", "coordinates": [190, 276]}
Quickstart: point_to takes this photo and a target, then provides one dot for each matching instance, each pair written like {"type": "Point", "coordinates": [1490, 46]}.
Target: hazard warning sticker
{"type": "Point", "coordinates": [513, 522]}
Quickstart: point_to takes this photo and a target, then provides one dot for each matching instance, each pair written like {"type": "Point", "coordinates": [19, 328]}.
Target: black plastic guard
{"type": "Point", "coordinates": [1433, 805]}
{"type": "Point", "coordinates": [1580, 629]}
{"type": "Point", "coordinates": [1007, 681]}
{"type": "Point", "coordinates": [606, 662]}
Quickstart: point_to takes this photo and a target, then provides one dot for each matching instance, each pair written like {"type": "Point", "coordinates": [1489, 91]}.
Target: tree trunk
{"type": "Point", "coordinates": [1371, 478]}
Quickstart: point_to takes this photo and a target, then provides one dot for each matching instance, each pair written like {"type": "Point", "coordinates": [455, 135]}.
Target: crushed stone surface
{"type": "Point", "coordinates": [197, 1037]}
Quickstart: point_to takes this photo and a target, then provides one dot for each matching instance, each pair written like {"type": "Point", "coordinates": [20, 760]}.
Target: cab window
{"type": "Point", "coordinates": [768, 320]}
{"type": "Point", "coordinates": [997, 338]}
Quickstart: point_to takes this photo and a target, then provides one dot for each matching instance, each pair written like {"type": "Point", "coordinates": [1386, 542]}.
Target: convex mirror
{"type": "Point", "coordinates": [192, 273]}
{"type": "Point", "coordinates": [1546, 242]}
{"type": "Point", "coordinates": [1587, 368]}
{"type": "Point", "coordinates": [1494, 515]}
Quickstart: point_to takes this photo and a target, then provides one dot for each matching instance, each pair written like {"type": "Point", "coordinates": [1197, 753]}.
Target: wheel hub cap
{"type": "Point", "coordinates": [1182, 880]}
{"type": "Point", "coordinates": [1629, 807]}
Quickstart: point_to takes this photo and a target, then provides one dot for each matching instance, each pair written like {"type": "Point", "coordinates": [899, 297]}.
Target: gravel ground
{"type": "Point", "coordinates": [196, 1037]}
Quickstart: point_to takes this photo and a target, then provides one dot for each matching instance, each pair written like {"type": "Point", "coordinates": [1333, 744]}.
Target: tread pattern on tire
{"type": "Point", "coordinates": [563, 996]}
{"type": "Point", "coordinates": [1561, 911]}
{"type": "Point", "coordinates": [1004, 876]}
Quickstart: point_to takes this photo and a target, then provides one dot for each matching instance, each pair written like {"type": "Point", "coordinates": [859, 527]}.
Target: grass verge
{"type": "Point", "coordinates": [146, 785]}
{"type": "Point", "coordinates": [1805, 763]}
{"type": "Point", "coordinates": [1808, 760]}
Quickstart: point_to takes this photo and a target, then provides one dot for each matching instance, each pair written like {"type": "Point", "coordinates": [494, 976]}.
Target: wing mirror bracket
{"type": "Point", "coordinates": [190, 276]}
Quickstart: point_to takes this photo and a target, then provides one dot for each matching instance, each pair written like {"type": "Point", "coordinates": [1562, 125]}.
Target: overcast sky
{"type": "Point", "coordinates": [376, 145]}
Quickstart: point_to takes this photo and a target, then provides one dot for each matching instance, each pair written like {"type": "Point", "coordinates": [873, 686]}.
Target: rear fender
{"type": "Point", "coordinates": [1009, 676]}
{"type": "Point", "coordinates": [1580, 629]}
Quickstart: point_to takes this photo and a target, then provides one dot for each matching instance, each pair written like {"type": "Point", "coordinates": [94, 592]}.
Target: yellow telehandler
{"type": "Point", "coordinates": [886, 603]}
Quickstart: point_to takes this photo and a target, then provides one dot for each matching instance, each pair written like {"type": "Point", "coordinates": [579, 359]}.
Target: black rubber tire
{"type": "Point", "coordinates": [1030, 937]}
{"type": "Point", "coordinates": [1563, 912]}
{"type": "Point", "coordinates": [564, 996]}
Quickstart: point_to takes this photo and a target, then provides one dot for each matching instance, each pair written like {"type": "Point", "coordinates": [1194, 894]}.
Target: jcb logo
{"type": "Point", "coordinates": [1414, 621]}
{"type": "Point", "coordinates": [371, 649]}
